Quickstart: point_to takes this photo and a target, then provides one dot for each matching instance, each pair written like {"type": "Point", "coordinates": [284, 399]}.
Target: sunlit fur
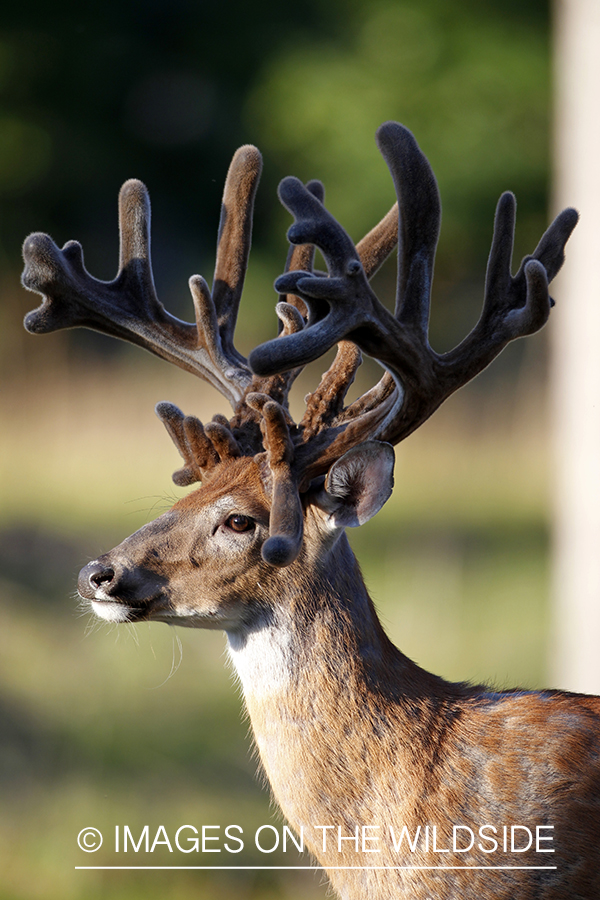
{"type": "Point", "coordinates": [349, 730]}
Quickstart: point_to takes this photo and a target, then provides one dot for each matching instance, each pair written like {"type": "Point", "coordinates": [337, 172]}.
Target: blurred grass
{"type": "Point", "coordinates": [104, 726]}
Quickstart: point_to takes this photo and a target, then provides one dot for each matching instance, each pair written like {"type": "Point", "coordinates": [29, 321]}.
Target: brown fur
{"type": "Point", "coordinates": [351, 732]}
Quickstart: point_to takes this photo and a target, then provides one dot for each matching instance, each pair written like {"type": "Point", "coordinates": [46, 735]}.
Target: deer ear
{"type": "Point", "coordinates": [358, 484]}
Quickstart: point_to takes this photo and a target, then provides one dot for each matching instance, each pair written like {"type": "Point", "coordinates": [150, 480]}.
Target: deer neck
{"type": "Point", "coordinates": [320, 677]}
{"type": "Point", "coordinates": [322, 613]}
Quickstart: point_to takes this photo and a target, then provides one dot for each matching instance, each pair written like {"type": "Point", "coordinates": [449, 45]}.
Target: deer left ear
{"type": "Point", "coordinates": [358, 484]}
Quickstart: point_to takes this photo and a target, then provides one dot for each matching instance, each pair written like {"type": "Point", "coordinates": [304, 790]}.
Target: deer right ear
{"type": "Point", "coordinates": [358, 484]}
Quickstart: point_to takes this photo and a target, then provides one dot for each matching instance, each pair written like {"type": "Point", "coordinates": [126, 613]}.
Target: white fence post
{"type": "Point", "coordinates": [575, 369]}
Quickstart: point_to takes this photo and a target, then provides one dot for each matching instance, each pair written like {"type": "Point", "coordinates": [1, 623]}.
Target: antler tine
{"type": "Point", "coordinates": [286, 521]}
{"type": "Point", "coordinates": [419, 222]}
{"type": "Point", "coordinates": [202, 447]}
{"type": "Point", "coordinates": [286, 526]}
{"type": "Point", "coordinates": [301, 256]}
{"type": "Point", "coordinates": [234, 240]}
{"type": "Point", "coordinates": [187, 433]}
{"type": "Point", "coordinates": [325, 404]}
{"type": "Point", "coordinates": [291, 310]}
{"type": "Point", "coordinates": [128, 307]}
{"type": "Point", "coordinates": [338, 304]}
{"type": "Point", "coordinates": [292, 313]}
{"type": "Point", "coordinates": [376, 246]}
{"type": "Point", "coordinates": [513, 306]}
{"type": "Point", "coordinates": [344, 302]}
{"type": "Point", "coordinates": [222, 439]}
{"type": "Point", "coordinates": [413, 223]}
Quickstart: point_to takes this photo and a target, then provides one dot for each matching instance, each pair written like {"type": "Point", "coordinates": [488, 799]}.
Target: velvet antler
{"type": "Point", "coordinates": [315, 312]}
{"type": "Point", "coordinates": [343, 307]}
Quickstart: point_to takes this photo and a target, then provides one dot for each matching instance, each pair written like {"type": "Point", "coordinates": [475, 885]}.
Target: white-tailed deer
{"type": "Point", "coordinates": [402, 784]}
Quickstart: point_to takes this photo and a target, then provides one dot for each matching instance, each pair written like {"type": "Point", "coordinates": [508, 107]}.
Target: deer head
{"type": "Point", "coordinates": [275, 492]}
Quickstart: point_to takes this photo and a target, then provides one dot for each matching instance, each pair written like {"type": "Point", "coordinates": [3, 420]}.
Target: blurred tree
{"type": "Point", "coordinates": [91, 94]}
{"type": "Point", "coordinates": [576, 364]}
{"type": "Point", "coordinates": [470, 80]}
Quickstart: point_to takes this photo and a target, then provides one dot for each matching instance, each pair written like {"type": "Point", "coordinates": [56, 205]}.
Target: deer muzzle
{"type": "Point", "coordinates": [97, 581]}
{"type": "Point", "coordinates": [118, 592]}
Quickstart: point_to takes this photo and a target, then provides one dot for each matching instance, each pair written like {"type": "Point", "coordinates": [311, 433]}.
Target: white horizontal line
{"type": "Point", "coordinates": [307, 868]}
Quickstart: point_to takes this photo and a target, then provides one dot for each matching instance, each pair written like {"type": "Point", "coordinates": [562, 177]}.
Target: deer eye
{"type": "Point", "coordinates": [238, 522]}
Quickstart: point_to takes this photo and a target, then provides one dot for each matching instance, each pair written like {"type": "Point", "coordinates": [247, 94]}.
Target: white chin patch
{"type": "Point", "coordinates": [110, 611]}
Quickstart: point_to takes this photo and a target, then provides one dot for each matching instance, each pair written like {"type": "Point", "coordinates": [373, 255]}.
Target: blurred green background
{"type": "Point", "coordinates": [144, 725]}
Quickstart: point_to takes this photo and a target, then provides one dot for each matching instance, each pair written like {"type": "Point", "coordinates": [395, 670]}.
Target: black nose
{"type": "Point", "coordinates": [95, 578]}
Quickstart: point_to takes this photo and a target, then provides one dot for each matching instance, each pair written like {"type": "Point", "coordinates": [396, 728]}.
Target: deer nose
{"type": "Point", "coordinates": [95, 578]}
